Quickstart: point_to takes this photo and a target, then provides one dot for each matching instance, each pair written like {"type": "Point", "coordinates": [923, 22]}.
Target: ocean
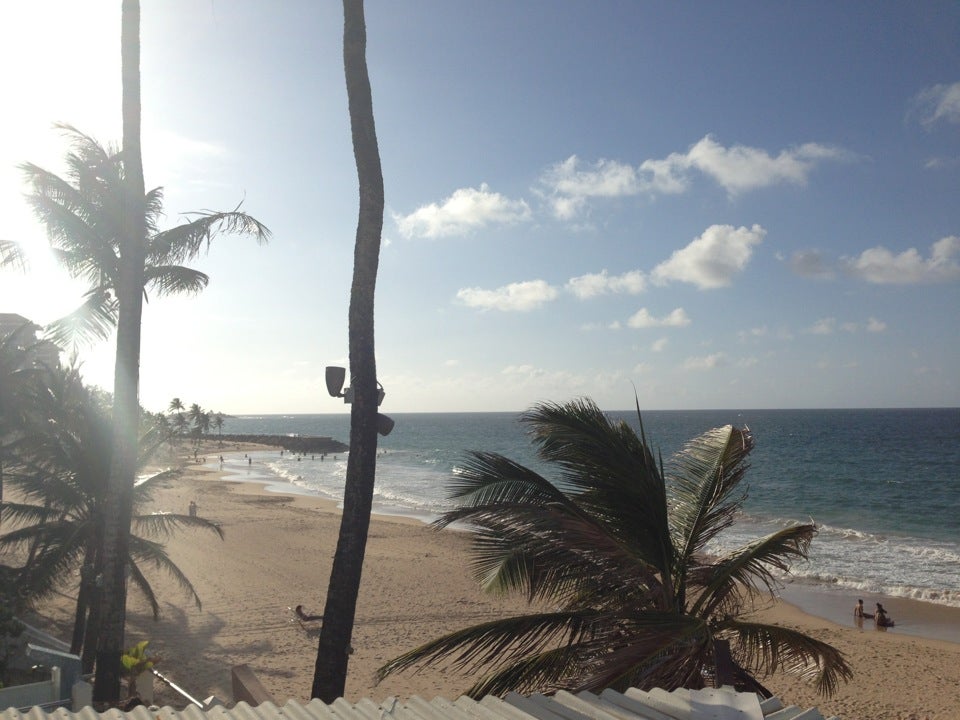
{"type": "Point", "coordinates": [882, 485]}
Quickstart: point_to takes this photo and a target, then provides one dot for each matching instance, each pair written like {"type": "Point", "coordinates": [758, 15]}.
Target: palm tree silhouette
{"type": "Point", "coordinates": [617, 549]}
{"type": "Point", "coordinates": [82, 216]}
{"type": "Point", "coordinates": [61, 465]}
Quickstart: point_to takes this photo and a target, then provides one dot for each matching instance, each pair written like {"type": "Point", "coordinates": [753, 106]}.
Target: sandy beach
{"type": "Point", "coordinates": [277, 553]}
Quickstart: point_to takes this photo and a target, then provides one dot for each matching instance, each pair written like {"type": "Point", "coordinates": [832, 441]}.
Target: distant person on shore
{"type": "Point", "coordinates": [858, 609]}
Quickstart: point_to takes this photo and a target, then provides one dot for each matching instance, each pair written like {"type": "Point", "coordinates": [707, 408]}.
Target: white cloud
{"type": "Point", "coordinates": [738, 168]}
{"type": "Point", "coordinates": [465, 210]}
{"type": "Point", "coordinates": [659, 345]}
{"type": "Point", "coordinates": [515, 297]}
{"type": "Point", "coordinates": [876, 326]}
{"type": "Point", "coordinates": [601, 283]}
{"type": "Point", "coordinates": [706, 362]}
{"type": "Point", "coordinates": [938, 103]}
{"type": "Point", "coordinates": [879, 265]}
{"type": "Point", "coordinates": [643, 319]}
{"type": "Point", "coordinates": [711, 260]}
{"type": "Point", "coordinates": [569, 186]}
{"type": "Point", "coordinates": [823, 326]}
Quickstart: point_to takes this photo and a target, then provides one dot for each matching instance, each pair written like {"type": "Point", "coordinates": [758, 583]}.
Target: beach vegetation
{"type": "Point", "coordinates": [59, 465]}
{"type": "Point", "coordinates": [82, 215]}
{"type": "Point", "coordinates": [104, 228]}
{"type": "Point", "coordinates": [616, 556]}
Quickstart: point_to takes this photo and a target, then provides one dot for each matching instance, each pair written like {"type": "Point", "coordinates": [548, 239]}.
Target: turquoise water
{"type": "Point", "coordinates": [883, 485]}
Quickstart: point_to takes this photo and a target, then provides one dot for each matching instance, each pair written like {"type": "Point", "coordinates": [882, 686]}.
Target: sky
{"type": "Point", "coordinates": [706, 205]}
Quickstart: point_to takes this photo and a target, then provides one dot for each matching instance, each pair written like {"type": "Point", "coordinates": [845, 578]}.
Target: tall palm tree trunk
{"type": "Point", "coordinates": [330, 671]}
{"type": "Point", "coordinates": [126, 406]}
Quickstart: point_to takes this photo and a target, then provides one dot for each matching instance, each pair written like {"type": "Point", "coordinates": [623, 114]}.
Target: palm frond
{"type": "Point", "coordinates": [489, 478]}
{"type": "Point", "coordinates": [174, 279]}
{"type": "Point", "coordinates": [143, 585]}
{"type": "Point", "coordinates": [12, 255]}
{"type": "Point", "coordinates": [764, 649]}
{"type": "Point", "coordinates": [93, 320]}
{"type": "Point", "coordinates": [702, 478]}
{"type": "Point", "coordinates": [146, 551]}
{"type": "Point", "coordinates": [751, 567]}
{"type": "Point", "coordinates": [185, 241]}
{"type": "Point", "coordinates": [498, 641]}
{"type": "Point", "coordinates": [612, 472]}
{"type": "Point", "coordinates": [165, 524]}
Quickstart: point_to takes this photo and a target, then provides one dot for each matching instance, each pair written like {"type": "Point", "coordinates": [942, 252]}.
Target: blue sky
{"type": "Point", "coordinates": [723, 205]}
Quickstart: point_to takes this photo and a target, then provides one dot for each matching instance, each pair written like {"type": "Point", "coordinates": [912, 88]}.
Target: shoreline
{"type": "Point", "coordinates": [919, 618]}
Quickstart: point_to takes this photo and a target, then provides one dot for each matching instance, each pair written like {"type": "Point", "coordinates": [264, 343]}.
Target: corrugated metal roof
{"type": "Point", "coordinates": [710, 704]}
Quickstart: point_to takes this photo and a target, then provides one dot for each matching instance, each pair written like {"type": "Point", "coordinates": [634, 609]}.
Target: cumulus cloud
{"type": "Point", "coordinates": [602, 283]}
{"type": "Point", "coordinates": [515, 297]}
{"type": "Point", "coordinates": [706, 362]}
{"type": "Point", "coordinates": [880, 266]}
{"type": "Point", "coordinates": [643, 319]}
{"type": "Point", "coordinates": [876, 326]}
{"type": "Point", "coordinates": [738, 168]}
{"type": "Point", "coordinates": [659, 345]}
{"type": "Point", "coordinates": [569, 184]}
{"type": "Point", "coordinates": [938, 103]}
{"type": "Point", "coordinates": [465, 210]}
{"type": "Point", "coordinates": [711, 260]}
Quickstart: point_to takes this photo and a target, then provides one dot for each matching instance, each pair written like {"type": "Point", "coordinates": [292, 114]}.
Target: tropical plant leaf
{"type": "Point", "coordinates": [771, 647]}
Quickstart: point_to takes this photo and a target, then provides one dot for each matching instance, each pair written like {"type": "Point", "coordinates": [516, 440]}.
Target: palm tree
{"type": "Point", "coordinates": [61, 469]}
{"type": "Point", "coordinates": [19, 370]}
{"type": "Point", "coordinates": [330, 669]}
{"type": "Point", "coordinates": [198, 417]}
{"type": "Point", "coordinates": [83, 214]}
{"type": "Point", "coordinates": [618, 551]}
{"type": "Point", "coordinates": [104, 227]}
{"type": "Point", "coordinates": [217, 422]}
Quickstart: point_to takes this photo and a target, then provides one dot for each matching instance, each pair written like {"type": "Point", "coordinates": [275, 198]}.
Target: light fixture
{"type": "Point", "coordinates": [336, 376]}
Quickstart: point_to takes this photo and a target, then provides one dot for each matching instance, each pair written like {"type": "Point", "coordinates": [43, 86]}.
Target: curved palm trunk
{"type": "Point", "coordinates": [330, 671]}
{"type": "Point", "coordinates": [126, 373]}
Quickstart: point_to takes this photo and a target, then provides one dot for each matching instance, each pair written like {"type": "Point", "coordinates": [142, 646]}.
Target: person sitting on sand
{"type": "Point", "coordinates": [881, 618]}
{"type": "Point", "coordinates": [858, 612]}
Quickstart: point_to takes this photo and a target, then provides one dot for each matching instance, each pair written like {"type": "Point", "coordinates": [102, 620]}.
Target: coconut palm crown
{"type": "Point", "coordinates": [82, 214]}
{"type": "Point", "coordinates": [615, 553]}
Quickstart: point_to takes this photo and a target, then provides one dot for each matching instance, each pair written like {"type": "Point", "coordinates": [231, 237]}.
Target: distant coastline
{"type": "Point", "coordinates": [292, 443]}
